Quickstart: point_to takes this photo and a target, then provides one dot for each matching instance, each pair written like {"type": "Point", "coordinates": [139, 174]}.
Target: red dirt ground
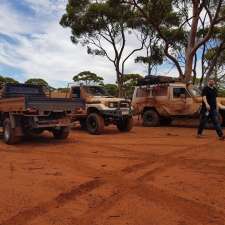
{"type": "Point", "coordinates": [150, 176]}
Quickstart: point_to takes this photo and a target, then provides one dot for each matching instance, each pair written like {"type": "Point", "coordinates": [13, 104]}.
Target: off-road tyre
{"type": "Point", "coordinates": [151, 118]}
{"type": "Point", "coordinates": [95, 124]}
{"type": "Point", "coordinates": [9, 134]}
{"type": "Point", "coordinates": [61, 133]}
{"type": "Point", "coordinates": [125, 124]}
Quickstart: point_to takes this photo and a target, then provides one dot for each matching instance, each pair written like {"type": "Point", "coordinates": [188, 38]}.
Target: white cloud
{"type": "Point", "coordinates": [43, 48]}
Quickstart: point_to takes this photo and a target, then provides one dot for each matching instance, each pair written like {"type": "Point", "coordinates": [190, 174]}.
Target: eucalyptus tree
{"type": "Point", "coordinates": [177, 23]}
{"type": "Point", "coordinates": [88, 77]}
{"type": "Point", "coordinates": [103, 26]}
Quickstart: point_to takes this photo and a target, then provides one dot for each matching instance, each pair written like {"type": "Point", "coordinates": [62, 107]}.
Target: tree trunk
{"type": "Point", "coordinates": [191, 42]}
{"type": "Point", "coordinates": [188, 67]}
{"type": "Point", "coordinates": [120, 85]}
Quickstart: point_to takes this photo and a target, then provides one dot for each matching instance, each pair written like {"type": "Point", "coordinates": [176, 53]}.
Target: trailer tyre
{"type": "Point", "coordinates": [61, 133]}
{"type": "Point", "coordinates": [9, 133]}
{"type": "Point", "coordinates": [125, 124]}
{"type": "Point", "coordinates": [95, 123]}
{"type": "Point", "coordinates": [151, 118]}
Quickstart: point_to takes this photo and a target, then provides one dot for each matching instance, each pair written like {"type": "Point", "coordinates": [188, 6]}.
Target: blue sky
{"type": "Point", "coordinates": [33, 44]}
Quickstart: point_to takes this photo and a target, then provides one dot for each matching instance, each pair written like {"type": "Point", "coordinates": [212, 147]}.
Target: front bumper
{"type": "Point", "coordinates": [117, 113]}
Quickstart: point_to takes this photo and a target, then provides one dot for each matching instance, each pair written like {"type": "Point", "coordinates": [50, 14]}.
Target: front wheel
{"type": "Point", "coordinates": [151, 118]}
{"type": "Point", "coordinates": [125, 124]}
{"type": "Point", "coordinates": [9, 133]}
{"type": "Point", "coordinates": [95, 123]}
{"type": "Point", "coordinates": [61, 133]}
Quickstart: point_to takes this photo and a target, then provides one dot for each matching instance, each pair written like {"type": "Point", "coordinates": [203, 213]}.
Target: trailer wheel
{"type": "Point", "coordinates": [95, 123]}
{"type": "Point", "coordinates": [9, 133]}
{"type": "Point", "coordinates": [151, 118]}
{"type": "Point", "coordinates": [125, 124]}
{"type": "Point", "coordinates": [61, 133]}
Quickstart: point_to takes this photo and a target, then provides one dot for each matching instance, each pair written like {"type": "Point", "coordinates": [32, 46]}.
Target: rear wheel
{"type": "Point", "coordinates": [95, 123]}
{"type": "Point", "coordinates": [151, 118]}
{"type": "Point", "coordinates": [9, 133]}
{"type": "Point", "coordinates": [61, 133]}
{"type": "Point", "coordinates": [125, 124]}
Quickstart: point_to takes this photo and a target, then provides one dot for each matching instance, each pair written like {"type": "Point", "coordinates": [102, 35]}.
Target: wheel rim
{"type": "Point", "coordinates": [149, 117]}
{"type": "Point", "coordinates": [6, 132]}
{"type": "Point", "coordinates": [93, 123]}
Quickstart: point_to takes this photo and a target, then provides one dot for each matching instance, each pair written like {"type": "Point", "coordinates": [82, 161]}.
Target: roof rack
{"type": "Point", "coordinates": [154, 80]}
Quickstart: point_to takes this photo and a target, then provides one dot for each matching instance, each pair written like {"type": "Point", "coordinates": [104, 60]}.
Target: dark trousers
{"type": "Point", "coordinates": [214, 116]}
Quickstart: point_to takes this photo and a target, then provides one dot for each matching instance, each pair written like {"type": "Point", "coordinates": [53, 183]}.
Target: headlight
{"type": "Point", "coordinates": [111, 105]}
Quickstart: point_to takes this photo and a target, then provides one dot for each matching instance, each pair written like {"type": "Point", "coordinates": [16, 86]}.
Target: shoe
{"type": "Point", "coordinates": [200, 136]}
{"type": "Point", "coordinates": [222, 138]}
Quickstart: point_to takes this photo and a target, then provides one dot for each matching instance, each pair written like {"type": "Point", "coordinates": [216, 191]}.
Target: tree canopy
{"type": "Point", "coordinates": [188, 34]}
{"type": "Point", "coordinates": [130, 81]}
{"type": "Point", "coordinates": [184, 27]}
{"type": "Point", "coordinates": [37, 81]}
{"type": "Point", "coordinates": [103, 27]}
{"type": "Point", "coordinates": [4, 80]}
{"type": "Point", "coordinates": [88, 77]}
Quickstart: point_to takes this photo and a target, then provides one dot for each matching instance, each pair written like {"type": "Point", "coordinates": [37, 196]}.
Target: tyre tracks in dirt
{"type": "Point", "coordinates": [124, 185]}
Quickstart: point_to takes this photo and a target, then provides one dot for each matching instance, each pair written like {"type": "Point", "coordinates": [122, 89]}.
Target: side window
{"type": "Point", "coordinates": [159, 91]}
{"type": "Point", "coordinates": [142, 92]}
{"type": "Point", "coordinates": [178, 92]}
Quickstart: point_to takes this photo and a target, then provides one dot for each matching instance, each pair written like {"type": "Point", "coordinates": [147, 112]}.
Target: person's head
{"type": "Point", "coordinates": [211, 83]}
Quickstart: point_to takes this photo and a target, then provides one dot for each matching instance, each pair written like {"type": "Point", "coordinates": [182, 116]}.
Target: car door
{"type": "Point", "coordinates": [179, 102]}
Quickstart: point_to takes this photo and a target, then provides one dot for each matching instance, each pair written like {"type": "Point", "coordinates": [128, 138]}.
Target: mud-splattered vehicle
{"type": "Point", "coordinates": [102, 109]}
{"type": "Point", "coordinates": [26, 110]}
{"type": "Point", "coordinates": [159, 100]}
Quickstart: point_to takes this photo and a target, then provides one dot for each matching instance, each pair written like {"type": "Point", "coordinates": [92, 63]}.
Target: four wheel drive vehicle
{"type": "Point", "coordinates": [26, 110]}
{"type": "Point", "coordinates": [159, 103]}
{"type": "Point", "coordinates": [102, 109]}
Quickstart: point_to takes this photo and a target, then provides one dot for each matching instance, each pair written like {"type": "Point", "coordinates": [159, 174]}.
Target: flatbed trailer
{"type": "Point", "coordinates": [26, 109]}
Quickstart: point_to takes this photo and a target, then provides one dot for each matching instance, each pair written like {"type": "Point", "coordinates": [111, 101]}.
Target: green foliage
{"type": "Point", "coordinates": [88, 77]}
{"type": "Point", "coordinates": [95, 23]}
{"type": "Point", "coordinates": [37, 81]}
{"type": "Point", "coordinates": [156, 56]}
{"type": "Point", "coordinates": [88, 20]}
{"type": "Point", "coordinates": [130, 81]}
{"type": "Point", "coordinates": [112, 89]}
{"type": "Point", "coordinates": [4, 80]}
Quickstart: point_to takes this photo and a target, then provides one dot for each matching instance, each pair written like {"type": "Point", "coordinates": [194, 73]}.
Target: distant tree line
{"type": "Point", "coordinates": [86, 78]}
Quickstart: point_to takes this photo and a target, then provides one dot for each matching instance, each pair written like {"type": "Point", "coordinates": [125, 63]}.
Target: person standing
{"type": "Point", "coordinates": [209, 110]}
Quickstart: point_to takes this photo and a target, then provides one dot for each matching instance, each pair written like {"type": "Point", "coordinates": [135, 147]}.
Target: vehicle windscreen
{"type": "Point", "coordinates": [195, 91]}
{"type": "Point", "coordinates": [96, 91]}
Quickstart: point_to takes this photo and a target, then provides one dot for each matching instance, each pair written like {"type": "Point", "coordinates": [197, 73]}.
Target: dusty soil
{"type": "Point", "coordinates": [151, 176]}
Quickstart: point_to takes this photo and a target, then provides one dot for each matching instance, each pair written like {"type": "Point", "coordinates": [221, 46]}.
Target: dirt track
{"type": "Point", "coordinates": [151, 176]}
